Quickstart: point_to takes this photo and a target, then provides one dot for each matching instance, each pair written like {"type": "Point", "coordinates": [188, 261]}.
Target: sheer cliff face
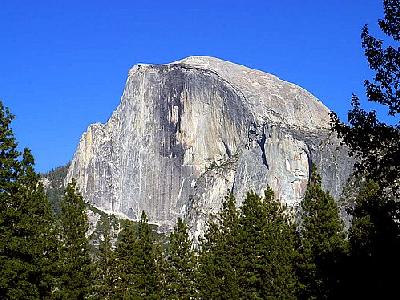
{"type": "Point", "coordinates": [186, 133]}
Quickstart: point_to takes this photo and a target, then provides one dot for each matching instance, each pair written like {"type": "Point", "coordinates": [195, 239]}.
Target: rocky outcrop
{"type": "Point", "coordinates": [186, 133]}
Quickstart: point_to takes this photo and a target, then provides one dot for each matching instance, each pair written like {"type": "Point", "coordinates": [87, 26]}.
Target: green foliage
{"type": "Point", "coordinates": [323, 243]}
{"type": "Point", "coordinates": [219, 256]}
{"type": "Point", "coordinates": [107, 223]}
{"type": "Point", "coordinates": [374, 239]}
{"type": "Point", "coordinates": [28, 247]}
{"type": "Point", "coordinates": [125, 258]}
{"type": "Point", "coordinates": [106, 269]}
{"type": "Point", "coordinates": [180, 264]}
{"type": "Point", "coordinates": [137, 262]}
{"type": "Point", "coordinates": [249, 254]}
{"type": "Point", "coordinates": [76, 266]}
{"type": "Point", "coordinates": [375, 143]}
{"type": "Point", "coordinates": [146, 283]}
{"type": "Point", "coordinates": [375, 230]}
{"type": "Point", "coordinates": [9, 163]}
{"type": "Point", "coordinates": [55, 190]}
{"type": "Point", "coordinates": [268, 249]}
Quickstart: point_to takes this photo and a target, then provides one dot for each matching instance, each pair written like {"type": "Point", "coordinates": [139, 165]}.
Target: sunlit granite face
{"type": "Point", "coordinates": [188, 132]}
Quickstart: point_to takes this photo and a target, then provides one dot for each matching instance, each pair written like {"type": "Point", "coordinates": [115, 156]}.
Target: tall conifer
{"type": "Point", "coordinates": [28, 245]}
{"type": "Point", "coordinates": [220, 255]}
{"type": "Point", "coordinates": [145, 275]}
{"type": "Point", "coordinates": [180, 264]}
{"type": "Point", "coordinates": [323, 242]}
{"type": "Point", "coordinates": [76, 265]}
{"type": "Point", "coordinates": [125, 259]}
{"type": "Point", "coordinates": [374, 238]}
{"type": "Point", "coordinates": [136, 255]}
{"type": "Point", "coordinates": [106, 273]}
{"type": "Point", "coordinates": [269, 252]}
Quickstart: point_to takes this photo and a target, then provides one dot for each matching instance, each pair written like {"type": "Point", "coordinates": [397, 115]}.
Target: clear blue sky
{"type": "Point", "coordinates": [63, 64]}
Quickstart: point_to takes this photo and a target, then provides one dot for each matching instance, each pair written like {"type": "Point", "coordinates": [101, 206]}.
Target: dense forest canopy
{"type": "Point", "coordinates": [259, 250]}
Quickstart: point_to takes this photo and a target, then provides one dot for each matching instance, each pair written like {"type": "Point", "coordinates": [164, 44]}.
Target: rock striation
{"type": "Point", "coordinates": [187, 132]}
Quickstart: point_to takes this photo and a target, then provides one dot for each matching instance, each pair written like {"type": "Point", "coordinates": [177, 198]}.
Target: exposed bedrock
{"type": "Point", "coordinates": [186, 133]}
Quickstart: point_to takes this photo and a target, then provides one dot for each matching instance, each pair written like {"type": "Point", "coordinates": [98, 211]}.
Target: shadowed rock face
{"type": "Point", "coordinates": [186, 133]}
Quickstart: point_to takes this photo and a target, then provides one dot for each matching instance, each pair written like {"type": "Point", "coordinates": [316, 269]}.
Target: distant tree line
{"type": "Point", "coordinates": [54, 186]}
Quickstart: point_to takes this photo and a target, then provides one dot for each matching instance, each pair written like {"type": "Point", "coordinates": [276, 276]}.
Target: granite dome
{"type": "Point", "coordinates": [187, 132]}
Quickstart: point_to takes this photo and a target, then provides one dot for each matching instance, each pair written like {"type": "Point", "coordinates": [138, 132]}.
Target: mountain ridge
{"type": "Point", "coordinates": [180, 122]}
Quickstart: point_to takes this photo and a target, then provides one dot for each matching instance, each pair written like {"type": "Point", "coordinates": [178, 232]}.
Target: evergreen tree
{"type": "Point", "coordinates": [76, 265]}
{"type": "Point", "coordinates": [374, 235]}
{"type": "Point", "coordinates": [106, 268]}
{"type": "Point", "coordinates": [375, 143]}
{"type": "Point", "coordinates": [9, 155]}
{"type": "Point", "coordinates": [180, 264]}
{"type": "Point", "coordinates": [28, 245]}
{"type": "Point", "coordinates": [323, 243]}
{"type": "Point", "coordinates": [162, 269]}
{"type": "Point", "coordinates": [268, 249]}
{"type": "Point", "coordinates": [374, 245]}
{"type": "Point", "coordinates": [220, 255]}
{"type": "Point", "coordinates": [136, 255]}
{"type": "Point", "coordinates": [146, 277]}
{"type": "Point", "coordinates": [125, 259]}
{"type": "Point", "coordinates": [14, 271]}
{"type": "Point", "coordinates": [43, 241]}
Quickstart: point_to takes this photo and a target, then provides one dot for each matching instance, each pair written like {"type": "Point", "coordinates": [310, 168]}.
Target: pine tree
{"type": "Point", "coordinates": [106, 268]}
{"type": "Point", "coordinates": [125, 259]}
{"type": "Point", "coordinates": [374, 245]}
{"type": "Point", "coordinates": [323, 242]}
{"type": "Point", "coordinates": [39, 222]}
{"type": "Point", "coordinates": [28, 244]}
{"type": "Point", "coordinates": [145, 275]}
{"type": "Point", "coordinates": [375, 231]}
{"type": "Point", "coordinates": [136, 255]}
{"type": "Point", "coordinates": [180, 264]}
{"type": "Point", "coordinates": [76, 267]}
{"type": "Point", "coordinates": [375, 143]}
{"type": "Point", "coordinates": [161, 271]}
{"type": "Point", "coordinates": [9, 155]}
{"type": "Point", "coordinates": [269, 252]}
{"type": "Point", "coordinates": [14, 271]}
{"type": "Point", "coordinates": [219, 257]}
